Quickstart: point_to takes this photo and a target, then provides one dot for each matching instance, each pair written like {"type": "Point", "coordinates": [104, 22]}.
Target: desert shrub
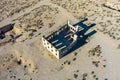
{"type": "Point", "coordinates": [118, 46]}
{"type": "Point", "coordinates": [75, 76]}
{"type": "Point", "coordinates": [69, 62]}
{"type": "Point", "coordinates": [31, 34]}
{"type": "Point", "coordinates": [92, 72]}
{"type": "Point", "coordinates": [74, 59]}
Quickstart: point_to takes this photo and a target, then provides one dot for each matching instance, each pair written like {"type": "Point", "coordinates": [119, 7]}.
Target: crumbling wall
{"type": "Point", "coordinates": [72, 28]}
{"type": "Point", "coordinates": [56, 32]}
{"type": "Point", "coordinates": [50, 47]}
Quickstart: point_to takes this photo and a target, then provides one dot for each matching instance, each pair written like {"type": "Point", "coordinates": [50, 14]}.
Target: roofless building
{"type": "Point", "coordinates": [62, 40]}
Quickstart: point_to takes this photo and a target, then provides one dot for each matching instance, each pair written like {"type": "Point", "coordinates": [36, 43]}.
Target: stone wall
{"type": "Point", "coordinates": [51, 48]}
{"type": "Point", "coordinates": [72, 28]}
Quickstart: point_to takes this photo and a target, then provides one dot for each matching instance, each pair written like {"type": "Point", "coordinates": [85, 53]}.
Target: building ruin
{"type": "Point", "coordinates": [62, 40]}
{"type": "Point", "coordinates": [5, 29]}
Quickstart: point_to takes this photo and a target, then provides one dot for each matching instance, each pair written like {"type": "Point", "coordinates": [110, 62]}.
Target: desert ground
{"type": "Point", "coordinates": [25, 58]}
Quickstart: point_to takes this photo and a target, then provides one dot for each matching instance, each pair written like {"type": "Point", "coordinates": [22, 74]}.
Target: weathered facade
{"type": "Point", "coordinates": [62, 40]}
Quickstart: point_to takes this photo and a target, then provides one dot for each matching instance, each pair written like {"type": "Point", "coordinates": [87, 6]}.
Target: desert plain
{"type": "Point", "coordinates": [25, 58]}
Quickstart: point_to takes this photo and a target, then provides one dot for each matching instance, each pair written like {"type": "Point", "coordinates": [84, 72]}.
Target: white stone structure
{"type": "Point", "coordinates": [61, 41]}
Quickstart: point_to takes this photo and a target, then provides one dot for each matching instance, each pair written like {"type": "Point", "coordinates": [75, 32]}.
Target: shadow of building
{"type": "Point", "coordinates": [82, 37]}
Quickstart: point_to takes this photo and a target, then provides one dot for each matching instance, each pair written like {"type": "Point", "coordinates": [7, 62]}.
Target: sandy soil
{"type": "Point", "coordinates": [27, 59]}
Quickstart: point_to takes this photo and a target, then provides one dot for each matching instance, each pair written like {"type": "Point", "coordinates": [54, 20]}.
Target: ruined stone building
{"type": "Point", "coordinates": [62, 40]}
